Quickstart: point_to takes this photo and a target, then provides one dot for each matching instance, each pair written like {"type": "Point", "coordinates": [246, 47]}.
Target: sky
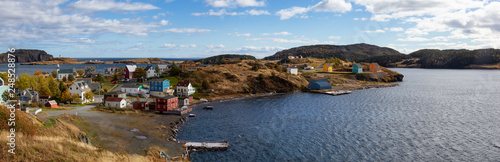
{"type": "Point", "coordinates": [203, 28]}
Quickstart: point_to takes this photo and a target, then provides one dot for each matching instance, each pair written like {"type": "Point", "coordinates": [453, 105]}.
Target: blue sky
{"type": "Point", "coordinates": [202, 28]}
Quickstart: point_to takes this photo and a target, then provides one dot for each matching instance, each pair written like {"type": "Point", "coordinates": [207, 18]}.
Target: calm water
{"type": "Point", "coordinates": [30, 69]}
{"type": "Point", "coordinates": [434, 115]}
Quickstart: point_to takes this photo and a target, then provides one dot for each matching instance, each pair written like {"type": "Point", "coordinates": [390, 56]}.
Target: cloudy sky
{"type": "Point", "coordinates": [201, 28]}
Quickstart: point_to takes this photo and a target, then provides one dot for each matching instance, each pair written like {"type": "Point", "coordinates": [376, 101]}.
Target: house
{"type": "Point", "coordinates": [163, 68]}
{"type": "Point", "coordinates": [141, 105]}
{"type": "Point", "coordinates": [64, 73]}
{"type": "Point", "coordinates": [110, 70]}
{"type": "Point", "coordinates": [308, 67]}
{"type": "Point", "coordinates": [184, 88]}
{"type": "Point", "coordinates": [160, 87]}
{"type": "Point", "coordinates": [51, 104]}
{"type": "Point", "coordinates": [93, 86]}
{"type": "Point", "coordinates": [131, 89]}
{"type": "Point", "coordinates": [319, 84]}
{"type": "Point", "coordinates": [116, 94]}
{"type": "Point", "coordinates": [128, 71]}
{"type": "Point", "coordinates": [184, 101]}
{"type": "Point", "coordinates": [115, 102]}
{"type": "Point", "coordinates": [188, 66]}
{"type": "Point", "coordinates": [357, 68]}
{"type": "Point", "coordinates": [44, 98]}
{"type": "Point", "coordinates": [327, 68]}
{"type": "Point", "coordinates": [88, 70]}
{"type": "Point", "coordinates": [29, 96]}
{"type": "Point", "coordinates": [291, 57]}
{"type": "Point", "coordinates": [151, 71]}
{"type": "Point", "coordinates": [374, 67]}
{"type": "Point", "coordinates": [80, 87]}
{"type": "Point", "coordinates": [167, 103]}
{"type": "Point", "coordinates": [293, 70]}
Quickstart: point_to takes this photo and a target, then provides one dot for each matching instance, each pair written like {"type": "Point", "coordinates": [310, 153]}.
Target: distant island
{"type": "Point", "coordinates": [387, 57]}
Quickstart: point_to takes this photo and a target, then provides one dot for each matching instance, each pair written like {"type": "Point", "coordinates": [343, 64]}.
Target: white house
{"type": "Point", "coordinates": [163, 68]}
{"type": "Point", "coordinates": [131, 89]}
{"type": "Point", "coordinates": [185, 88]}
{"type": "Point", "coordinates": [80, 87]}
{"type": "Point", "coordinates": [115, 102]}
{"type": "Point", "coordinates": [151, 71]}
{"type": "Point", "coordinates": [293, 70]}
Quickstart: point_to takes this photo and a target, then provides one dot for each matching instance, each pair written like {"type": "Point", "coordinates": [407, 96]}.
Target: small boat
{"type": "Point", "coordinates": [204, 100]}
{"type": "Point", "coordinates": [192, 115]}
{"type": "Point", "coordinates": [209, 107]}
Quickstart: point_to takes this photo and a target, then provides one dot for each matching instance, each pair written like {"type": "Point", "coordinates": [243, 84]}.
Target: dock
{"type": "Point", "coordinates": [206, 145]}
{"type": "Point", "coordinates": [336, 93]}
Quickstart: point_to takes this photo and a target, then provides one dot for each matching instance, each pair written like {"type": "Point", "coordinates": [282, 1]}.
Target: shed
{"type": "Point", "coordinates": [374, 67]}
{"type": "Point", "coordinates": [51, 104]}
{"type": "Point", "coordinates": [357, 68]}
{"type": "Point", "coordinates": [319, 84]}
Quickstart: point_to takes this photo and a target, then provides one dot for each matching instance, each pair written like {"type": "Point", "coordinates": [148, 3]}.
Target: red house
{"type": "Point", "coordinates": [167, 103]}
{"type": "Point", "coordinates": [51, 104]}
{"type": "Point", "coordinates": [128, 71]}
{"type": "Point", "coordinates": [141, 105]}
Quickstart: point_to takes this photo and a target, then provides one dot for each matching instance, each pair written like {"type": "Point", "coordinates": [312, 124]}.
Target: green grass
{"type": "Point", "coordinates": [173, 80]}
{"type": "Point", "coordinates": [49, 123]}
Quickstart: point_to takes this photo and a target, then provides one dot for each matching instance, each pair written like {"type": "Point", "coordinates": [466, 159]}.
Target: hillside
{"type": "Point", "coordinates": [54, 61]}
{"type": "Point", "coordinates": [456, 59]}
{"type": "Point", "coordinates": [354, 52]}
{"type": "Point", "coordinates": [219, 58]}
{"type": "Point", "coordinates": [27, 55]}
{"type": "Point", "coordinates": [142, 61]}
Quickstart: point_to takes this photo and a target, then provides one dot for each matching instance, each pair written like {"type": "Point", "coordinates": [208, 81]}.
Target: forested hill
{"type": "Point", "coordinates": [456, 59]}
{"type": "Point", "coordinates": [219, 58]}
{"type": "Point", "coordinates": [354, 52]}
{"type": "Point", "coordinates": [27, 55]}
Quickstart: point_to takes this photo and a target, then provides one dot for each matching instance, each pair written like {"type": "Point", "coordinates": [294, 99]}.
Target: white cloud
{"type": "Point", "coordinates": [283, 33]}
{"type": "Point", "coordinates": [164, 22]}
{"type": "Point", "coordinates": [236, 34]}
{"type": "Point", "coordinates": [323, 6]}
{"type": "Point", "coordinates": [138, 47]}
{"type": "Point", "coordinates": [110, 5]}
{"type": "Point", "coordinates": [413, 39]}
{"type": "Point", "coordinates": [168, 45]}
{"type": "Point", "coordinates": [183, 30]}
{"type": "Point", "coordinates": [235, 3]}
{"type": "Point", "coordinates": [396, 29]}
{"type": "Point", "coordinates": [220, 46]}
{"type": "Point", "coordinates": [224, 12]}
{"type": "Point", "coordinates": [334, 37]}
{"type": "Point", "coordinates": [375, 31]}
{"type": "Point", "coordinates": [362, 19]}
{"type": "Point", "coordinates": [282, 40]}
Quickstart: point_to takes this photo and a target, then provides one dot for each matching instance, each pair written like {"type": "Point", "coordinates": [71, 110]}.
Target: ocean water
{"type": "Point", "coordinates": [30, 69]}
{"type": "Point", "coordinates": [434, 115]}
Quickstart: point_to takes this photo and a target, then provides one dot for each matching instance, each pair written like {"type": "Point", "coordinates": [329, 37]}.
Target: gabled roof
{"type": "Point", "coordinates": [188, 62]}
{"type": "Point", "coordinates": [114, 99]}
{"type": "Point", "coordinates": [66, 71]}
{"type": "Point", "coordinates": [357, 64]}
{"type": "Point", "coordinates": [183, 83]}
{"type": "Point", "coordinates": [328, 64]}
{"type": "Point", "coordinates": [113, 67]}
{"type": "Point", "coordinates": [162, 66]}
{"type": "Point", "coordinates": [52, 102]}
{"type": "Point", "coordinates": [149, 67]}
{"type": "Point", "coordinates": [376, 64]}
{"type": "Point", "coordinates": [131, 68]}
{"type": "Point", "coordinates": [81, 86]}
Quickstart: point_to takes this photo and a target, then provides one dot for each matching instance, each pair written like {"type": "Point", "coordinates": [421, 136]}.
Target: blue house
{"type": "Point", "coordinates": [159, 85]}
{"type": "Point", "coordinates": [357, 68]}
{"type": "Point", "coordinates": [319, 84]}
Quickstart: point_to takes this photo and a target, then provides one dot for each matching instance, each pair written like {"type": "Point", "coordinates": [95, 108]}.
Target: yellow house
{"type": "Point", "coordinates": [327, 68]}
{"type": "Point", "coordinates": [188, 66]}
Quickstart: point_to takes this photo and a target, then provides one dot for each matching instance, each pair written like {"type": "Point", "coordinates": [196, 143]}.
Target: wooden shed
{"type": "Point", "coordinates": [357, 68]}
{"type": "Point", "coordinates": [319, 84]}
{"type": "Point", "coordinates": [51, 104]}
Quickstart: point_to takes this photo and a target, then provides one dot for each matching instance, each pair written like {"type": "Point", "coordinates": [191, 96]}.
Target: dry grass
{"type": "Point", "coordinates": [58, 142]}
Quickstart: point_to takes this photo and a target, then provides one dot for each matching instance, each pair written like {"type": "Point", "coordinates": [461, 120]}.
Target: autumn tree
{"type": "Point", "coordinates": [54, 73]}
{"type": "Point", "coordinates": [80, 72]}
{"type": "Point", "coordinates": [100, 78]}
{"type": "Point", "coordinates": [55, 92]}
{"type": "Point", "coordinates": [157, 69]}
{"type": "Point", "coordinates": [64, 79]}
{"type": "Point", "coordinates": [65, 96]}
{"type": "Point", "coordinates": [75, 98]}
{"type": "Point", "coordinates": [43, 86]}
{"type": "Point", "coordinates": [139, 73]}
{"type": "Point", "coordinates": [24, 81]}
{"type": "Point", "coordinates": [62, 87]}
{"type": "Point", "coordinates": [38, 73]}
{"type": "Point", "coordinates": [71, 77]}
{"type": "Point", "coordinates": [174, 70]}
{"type": "Point", "coordinates": [88, 95]}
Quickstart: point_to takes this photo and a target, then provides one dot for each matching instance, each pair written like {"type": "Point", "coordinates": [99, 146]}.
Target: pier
{"type": "Point", "coordinates": [335, 93]}
{"type": "Point", "coordinates": [206, 145]}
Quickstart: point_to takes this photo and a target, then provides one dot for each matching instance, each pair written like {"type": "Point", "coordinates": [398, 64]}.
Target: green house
{"type": "Point", "coordinates": [357, 68]}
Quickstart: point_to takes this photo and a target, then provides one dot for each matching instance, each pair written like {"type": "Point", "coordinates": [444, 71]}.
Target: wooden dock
{"type": "Point", "coordinates": [206, 145]}
{"type": "Point", "coordinates": [336, 93]}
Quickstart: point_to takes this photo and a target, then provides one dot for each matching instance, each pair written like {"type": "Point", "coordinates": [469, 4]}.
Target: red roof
{"type": "Point", "coordinates": [114, 99]}
{"type": "Point", "coordinates": [111, 67]}
{"type": "Point", "coordinates": [183, 83]}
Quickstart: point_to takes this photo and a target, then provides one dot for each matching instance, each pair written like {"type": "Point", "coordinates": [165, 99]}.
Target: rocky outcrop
{"type": "Point", "coordinates": [174, 128]}
{"type": "Point", "coordinates": [26, 55]}
{"type": "Point", "coordinates": [380, 77]}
